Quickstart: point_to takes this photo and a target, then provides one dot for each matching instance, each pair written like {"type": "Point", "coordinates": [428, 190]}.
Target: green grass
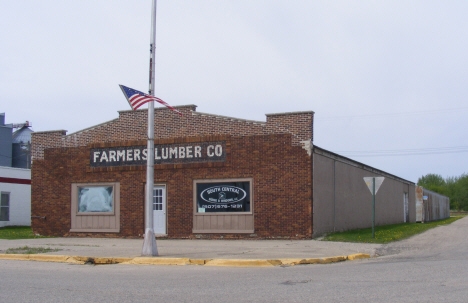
{"type": "Point", "coordinates": [17, 232]}
{"type": "Point", "coordinates": [30, 250]}
{"type": "Point", "coordinates": [458, 213]}
{"type": "Point", "coordinates": [387, 233]}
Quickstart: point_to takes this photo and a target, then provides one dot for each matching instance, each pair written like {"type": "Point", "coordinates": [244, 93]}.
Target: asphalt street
{"type": "Point", "coordinates": [431, 267]}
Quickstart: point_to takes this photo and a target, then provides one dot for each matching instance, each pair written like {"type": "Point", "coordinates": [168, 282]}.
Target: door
{"type": "Point", "coordinates": [159, 209]}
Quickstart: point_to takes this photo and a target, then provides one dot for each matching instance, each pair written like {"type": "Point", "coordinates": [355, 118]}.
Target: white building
{"type": "Point", "coordinates": [15, 189]}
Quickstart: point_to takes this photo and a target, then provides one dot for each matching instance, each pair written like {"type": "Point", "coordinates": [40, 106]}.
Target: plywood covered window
{"type": "Point", "coordinates": [95, 207]}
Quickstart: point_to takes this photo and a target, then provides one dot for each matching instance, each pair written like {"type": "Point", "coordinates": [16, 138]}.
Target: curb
{"type": "Point", "coordinates": [180, 261]}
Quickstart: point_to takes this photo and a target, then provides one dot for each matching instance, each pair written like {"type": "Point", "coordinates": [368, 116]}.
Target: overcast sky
{"type": "Point", "coordinates": [380, 75]}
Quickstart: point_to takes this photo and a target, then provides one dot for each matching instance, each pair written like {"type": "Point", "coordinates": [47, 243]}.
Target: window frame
{"type": "Point", "coordinates": [95, 221]}
{"type": "Point", "coordinates": [77, 202]}
{"type": "Point", "coordinates": [7, 207]}
{"type": "Point", "coordinates": [233, 213]}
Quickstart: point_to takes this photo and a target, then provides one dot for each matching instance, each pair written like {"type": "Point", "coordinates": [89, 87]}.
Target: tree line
{"type": "Point", "coordinates": [456, 188]}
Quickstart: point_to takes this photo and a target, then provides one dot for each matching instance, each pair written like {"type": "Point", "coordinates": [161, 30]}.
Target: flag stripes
{"type": "Point", "coordinates": [136, 99]}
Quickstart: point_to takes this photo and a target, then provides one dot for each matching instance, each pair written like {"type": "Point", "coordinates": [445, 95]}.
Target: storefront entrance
{"type": "Point", "coordinates": [159, 209]}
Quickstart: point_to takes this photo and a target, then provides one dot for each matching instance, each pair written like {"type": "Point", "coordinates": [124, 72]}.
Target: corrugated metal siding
{"type": "Point", "coordinates": [435, 207]}
{"type": "Point", "coordinates": [419, 204]}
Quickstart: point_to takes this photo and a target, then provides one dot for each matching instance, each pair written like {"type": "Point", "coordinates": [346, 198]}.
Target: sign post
{"type": "Point", "coordinates": [373, 183]}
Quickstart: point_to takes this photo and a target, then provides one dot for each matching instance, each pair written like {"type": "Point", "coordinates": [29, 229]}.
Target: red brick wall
{"type": "Point", "coordinates": [270, 152]}
{"type": "Point", "coordinates": [281, 176]}
{"type": "Point", "coordinates": [47, 139]}
{"type": "Point", "coordinates": [132, 125]}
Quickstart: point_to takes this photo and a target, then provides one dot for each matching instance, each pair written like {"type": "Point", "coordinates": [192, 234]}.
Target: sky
{"type": "Point", "coordinates": [387, 80]}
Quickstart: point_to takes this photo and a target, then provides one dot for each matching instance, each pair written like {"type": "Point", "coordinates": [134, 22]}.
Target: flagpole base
{"type": "Point", "coordinates": [149, 245]}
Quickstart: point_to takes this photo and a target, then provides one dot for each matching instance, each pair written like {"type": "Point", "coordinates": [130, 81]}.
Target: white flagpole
{"type": "Point", "coordinates": [149, 244]}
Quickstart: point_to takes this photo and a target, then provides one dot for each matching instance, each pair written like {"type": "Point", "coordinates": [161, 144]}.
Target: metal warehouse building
{"type": "Point", "coordinates": [215, 177]}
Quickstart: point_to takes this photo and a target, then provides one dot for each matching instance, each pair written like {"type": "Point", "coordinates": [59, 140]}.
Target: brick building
{"type": "Point", "coordinates": [215, 176]}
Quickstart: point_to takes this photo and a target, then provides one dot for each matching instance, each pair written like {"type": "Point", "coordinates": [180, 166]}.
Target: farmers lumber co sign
{"type": "Point", "coordinates": [163, 154]}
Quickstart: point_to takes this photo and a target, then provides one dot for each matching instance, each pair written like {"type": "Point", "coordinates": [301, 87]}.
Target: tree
{"type": "Point", "coordinates": [456, 188]}
{"type": "Point", "coordinates": [434, 182]}
{"type": "Point", "coordinates": [460, 193]}
{"type": "Point", "coordinates": [431, 180]}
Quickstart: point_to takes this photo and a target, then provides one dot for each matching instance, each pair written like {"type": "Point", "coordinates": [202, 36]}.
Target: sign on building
{"type": "Point", "coordinates": [223, 197]}
{"type": "Point", "coordinates": [163, 154]}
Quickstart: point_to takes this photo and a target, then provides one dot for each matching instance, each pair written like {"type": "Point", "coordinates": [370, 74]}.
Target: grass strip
{"type": "Point", "coordinates": [17, 232]}
{"type": "Point", "coordinates": [387, 233]}
{"type": "Point", "coordinates": [30, 250]}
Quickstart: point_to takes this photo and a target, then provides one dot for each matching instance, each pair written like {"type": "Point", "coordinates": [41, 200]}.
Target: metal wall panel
{"type": "Point", "coordinates": [434, 206]}
{"type": "Point", "coordinates": [342, 201]}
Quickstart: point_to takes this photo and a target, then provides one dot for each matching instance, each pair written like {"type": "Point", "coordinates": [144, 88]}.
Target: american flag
{"type": "Point", "coordinates": [136, 98]}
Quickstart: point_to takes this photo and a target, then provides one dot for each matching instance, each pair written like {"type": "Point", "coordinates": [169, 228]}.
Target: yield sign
{"type": "Point", "coordinates": [378, 182]}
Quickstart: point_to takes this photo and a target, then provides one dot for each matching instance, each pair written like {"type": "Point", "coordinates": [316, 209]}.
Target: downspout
{"type": "Point", "coordinates": [309, 147]}
{"type": "Point", "coordinates": [312, 192]}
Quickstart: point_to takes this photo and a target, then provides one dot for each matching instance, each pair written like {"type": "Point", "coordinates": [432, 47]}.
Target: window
{"type": "Point", "coordinates": [95, 199]}
{"type": "Point", "coordinates": [158, 199]}
{"type": "Point", "coordinates": [223, 196]}
{"type": "Point", "coordinates": [5, 207]}
{"type": "Point", "coordinates": [95, 207]}
{"type": "Point", "coordinates": [223, 206]}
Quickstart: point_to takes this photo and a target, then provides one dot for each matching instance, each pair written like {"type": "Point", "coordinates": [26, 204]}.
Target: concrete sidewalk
{"type": "Point", "coordinates": [201, 250]}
